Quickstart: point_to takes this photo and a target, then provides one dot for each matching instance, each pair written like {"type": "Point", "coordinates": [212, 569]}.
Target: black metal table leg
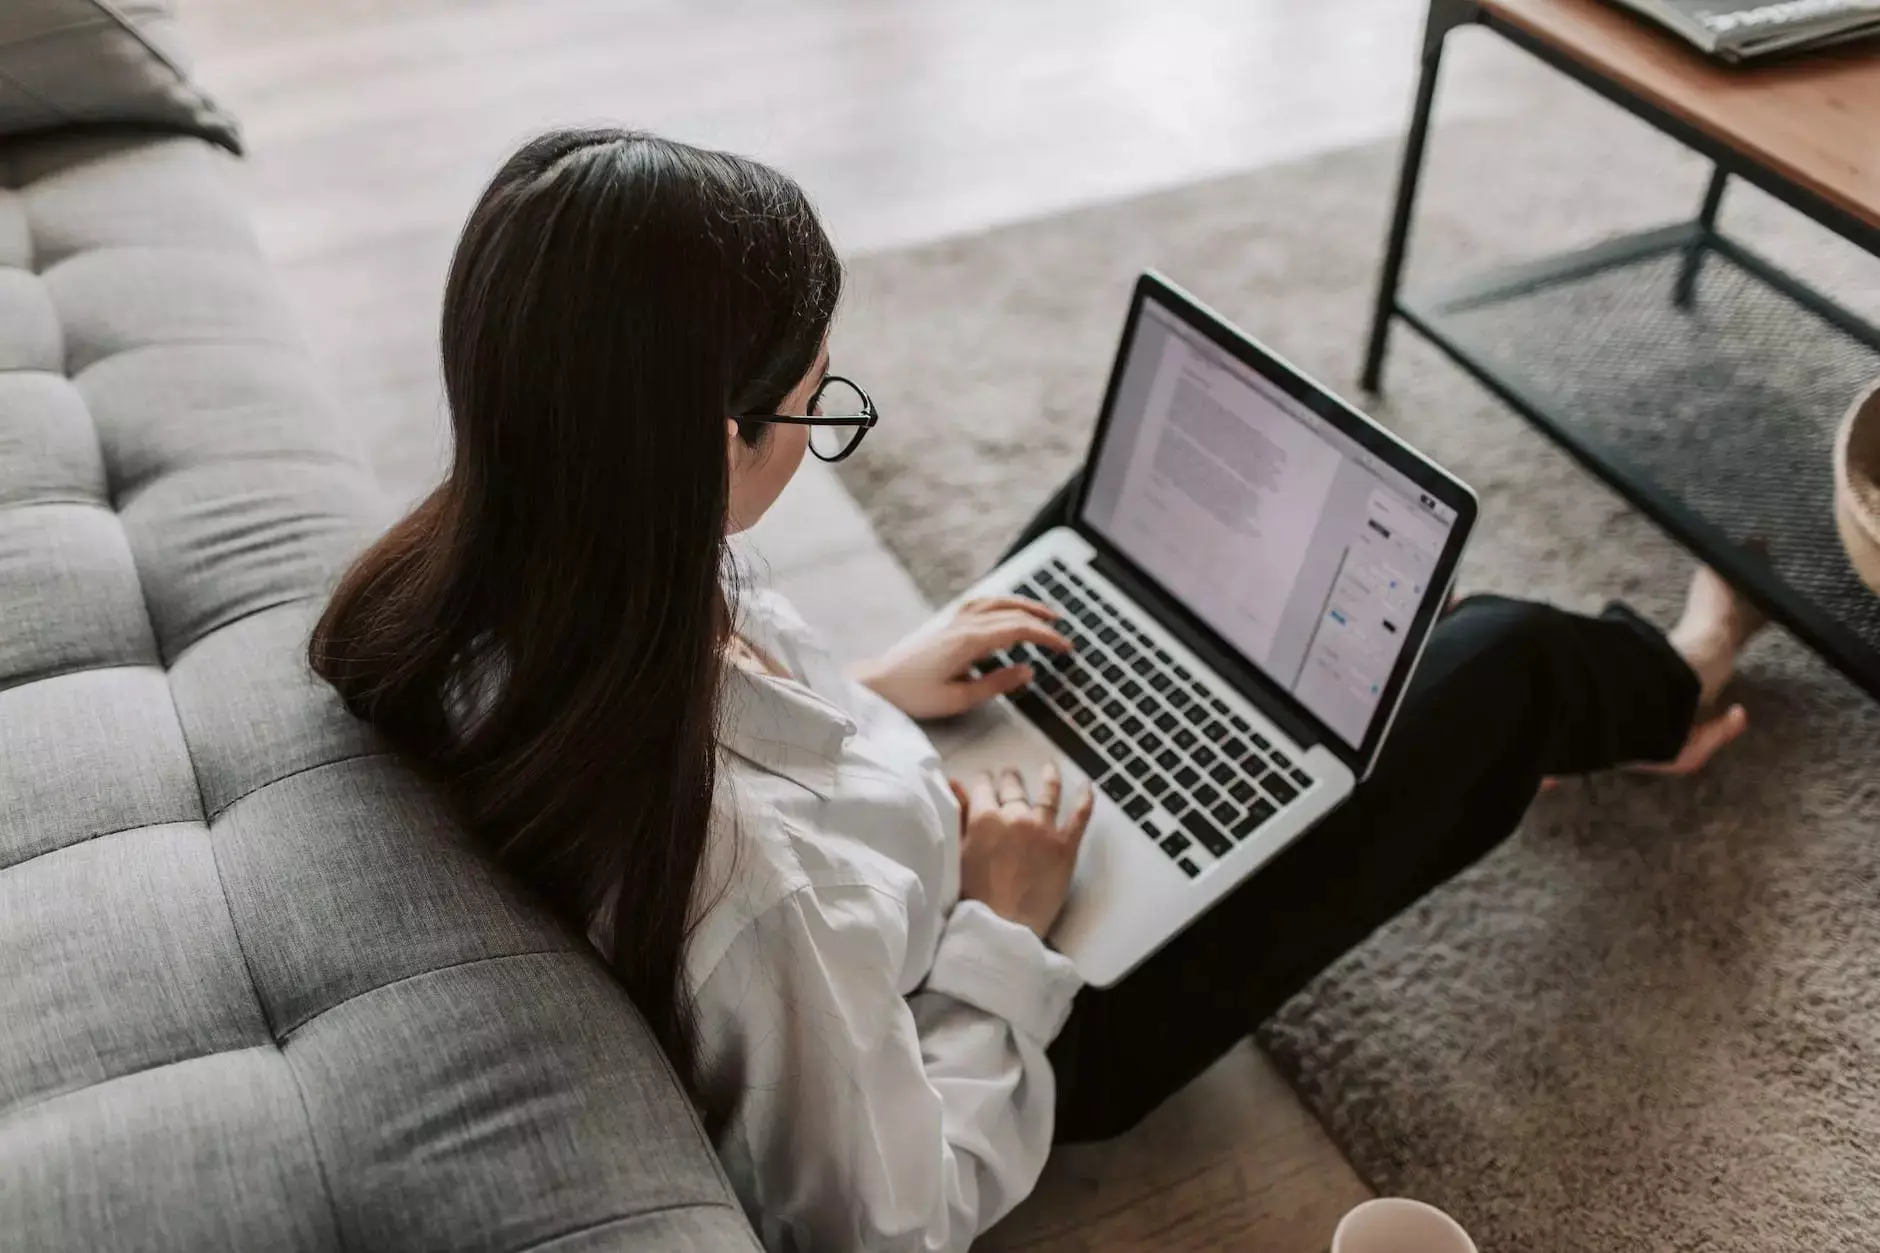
{"type": "Point", "coordinates": [1444, 16]}
{"type": "Point", "coordinates": [1707, 223]}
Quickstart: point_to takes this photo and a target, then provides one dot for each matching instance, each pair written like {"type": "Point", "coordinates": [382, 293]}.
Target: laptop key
{"type": "Point", "coordinates": [1136, 807]}
{"type": "Point", "coordinates": [1137, 767]}
{"type": "Point", "coordinates": [1108, 634]}
{"type": "Point", "coordinates": [1184, 738]}
{"type": "Point", "coordinates": [1114, 673]}
{"type": "Point", "coordinates": [1155, 785]}
{"type": "Point", "coordinates": [1204, 756]}
{"type": "Point", "coordinates": [1279, 789]}
{"type": "Point", "coordinates": [1150, 706]}
{"type": "Point", "coordinates": [1160, 682]}
{"type": "Point", "coordinates": [1174, 802]}
{"type": "Point", "coordinates": [1120, 749]}
{"type": "Point", "coordinates": [1236, 749]}
{"type": "Point", "coordinates": [1101, 734]}
{"type": "Point", "coordinates": [1189, 868]}
{"type": "Point", "coordinates": [1224, 813]}
{"type": "Point", "coordinates": [1151, 830]}
{"type": "Point", "coordinates": [1197, 713]}
{"type": "Point", "coordinates": [1150, 741]}
{"type": "Point", "coordinates": [1142, 665]}
{"type": "Point", "coordinates": [1176, 844]}
{"type": "Point", "coordinates": [1061, 733]}
{"type": "Point", "coordinates": [1260, 741]}
{"type": "Point", "coordinates": [1181, 672]}
{"type": "Point", "coordinates": [1206, 833]}
{"type": "Point", "coordinates": [1168, 761]}
{"type": "Point", "coordinates": [1222, 774]}
{"type": "Point", "coordinates": [1216, 732]}
{"type": "Point", "coordinates": [1206, 795]}
{"type": "Point", "coordinates": [1261, 811]}
{"type": "Point", "coordinates": [1242, 791]}
{"type": "Point", "coordinates": [1131, 725]}
{"type": "Point", "coordinates": [1185, 777]}
{"type": "Point", "coordinates": [1177, 698]}
{"type": "Point", "coordinates": [1082, 716]}
{"type": "Point", "coordinates": [1117, 788]}
{"type": "Point", "coordinates": [1126, 650]}
{"type": "Point", "coordinates": [1166, 722]}
{"type": "Point", "coordinates": [1114, 709]}
{"type": "Point", "coordinates": [1131, 689]}
{"type": "Point", "coordinates": [1240, 723]}
{"type": "Point", "coordinates": [1218, 705]}
{"type": "Point", "coordinates": [1300, 777]}
{"type": "Point", "coordinates": [1281, 759]}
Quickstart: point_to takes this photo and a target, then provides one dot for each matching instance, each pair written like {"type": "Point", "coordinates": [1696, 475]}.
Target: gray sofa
{"type": "Point", "coordinates": [256, 991]}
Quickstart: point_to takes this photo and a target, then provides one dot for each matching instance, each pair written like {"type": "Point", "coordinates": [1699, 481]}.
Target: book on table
{"type": "Point", "coordinates": [1743, 30]}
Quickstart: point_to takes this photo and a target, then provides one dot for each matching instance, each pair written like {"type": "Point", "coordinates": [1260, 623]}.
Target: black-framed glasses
{"type": "Point", "coordinates": [840, 414]}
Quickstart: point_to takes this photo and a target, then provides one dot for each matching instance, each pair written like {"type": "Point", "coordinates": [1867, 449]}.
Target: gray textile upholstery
{"type": "Point", "coordinates": [77, 62]}
{"type": "Point", "coordinates": [255, 989]}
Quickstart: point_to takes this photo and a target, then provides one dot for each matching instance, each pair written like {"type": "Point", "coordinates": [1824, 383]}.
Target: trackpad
{"type": "Point", "coordinates": [994, 739]}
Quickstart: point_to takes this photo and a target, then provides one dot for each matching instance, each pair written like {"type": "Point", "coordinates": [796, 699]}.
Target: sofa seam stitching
{"type": "Point", "coordinates": [313, 1142]}
{"type": "Point", "coordinates": [288, 1033]}
{"type": "Point", "coordinates": [650, 1212]}
{"type": "Point", "coordinates": [19, 1110]}
{"type": "Point", "coordinates": [82, 667]}
{"type": "Point", "coordinates": [296, 599]}
{"type": "Point", "coordinates": [95, 836]}
{"type": "Point", "coordinates": [292, 774]}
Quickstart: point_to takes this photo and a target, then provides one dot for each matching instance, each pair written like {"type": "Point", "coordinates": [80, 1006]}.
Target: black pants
{"type": "Point", "coordinates": [1508, 692]}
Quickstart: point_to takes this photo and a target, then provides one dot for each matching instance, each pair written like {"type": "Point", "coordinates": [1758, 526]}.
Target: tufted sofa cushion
{"type": "Point", "coordinates": [255, 991]}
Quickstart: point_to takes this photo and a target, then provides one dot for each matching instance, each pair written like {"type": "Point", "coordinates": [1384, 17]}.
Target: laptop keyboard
{"type": "Point", "coordinates": [1196, 777]}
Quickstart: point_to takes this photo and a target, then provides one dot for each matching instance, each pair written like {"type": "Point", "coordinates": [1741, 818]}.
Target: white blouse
{"type": "Point", "coordinates": [879, 1043]}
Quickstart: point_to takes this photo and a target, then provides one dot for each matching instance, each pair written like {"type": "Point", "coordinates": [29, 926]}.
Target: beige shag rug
{"type": "Point", "coordinates": [1652, 1019]}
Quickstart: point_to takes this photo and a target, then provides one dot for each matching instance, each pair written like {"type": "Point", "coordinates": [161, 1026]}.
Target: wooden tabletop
{"type": "Point", "coordinates": [1815, 120]}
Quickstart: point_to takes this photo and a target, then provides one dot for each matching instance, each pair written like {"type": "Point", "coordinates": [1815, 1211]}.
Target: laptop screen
{"type": "Point", "coordinates": [1295, 544]}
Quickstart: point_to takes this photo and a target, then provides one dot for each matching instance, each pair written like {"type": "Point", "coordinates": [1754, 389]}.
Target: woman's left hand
{"type": "Point", "coordinates": [926, 676]}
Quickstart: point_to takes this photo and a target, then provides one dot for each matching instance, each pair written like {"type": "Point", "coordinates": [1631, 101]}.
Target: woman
{"type": "Point", "coordinates": [839, 947]}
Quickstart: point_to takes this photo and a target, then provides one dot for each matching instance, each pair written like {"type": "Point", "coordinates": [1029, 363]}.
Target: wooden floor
{"type": "Point", "coordinates": [372, 123]}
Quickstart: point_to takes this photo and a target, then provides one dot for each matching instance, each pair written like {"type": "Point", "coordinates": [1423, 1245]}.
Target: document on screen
{"type": "Point", "coordinates": [1226, 488]}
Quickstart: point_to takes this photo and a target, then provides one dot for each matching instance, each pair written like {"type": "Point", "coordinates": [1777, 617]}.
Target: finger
{"type": "Point", "coordinates": [1005, 630]}
{"type": "Point", "coordinates": [1050, 788]}
{"type": "Point", "coordinates": [1037, 609]}
{"type": "Point", "coordinates": [964, 694]}
{"type": "Point", "coordinates": [1079, 820]}
{"type": "Point", "coordinates": [984, 795]}
{"type": "Point", "coordinates": [1012, 788]}
{"type": "Point", "coordinates": [965, 799]}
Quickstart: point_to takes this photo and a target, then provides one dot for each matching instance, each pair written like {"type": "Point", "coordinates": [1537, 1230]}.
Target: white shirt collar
{"type": "Point", "coordinates": [776, 724]}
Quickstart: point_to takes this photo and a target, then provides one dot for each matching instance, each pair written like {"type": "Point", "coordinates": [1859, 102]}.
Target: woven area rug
{"type": "Point", "coordinates": [1652, 1019]}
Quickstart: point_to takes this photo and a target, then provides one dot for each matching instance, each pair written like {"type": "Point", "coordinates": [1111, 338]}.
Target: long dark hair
{"type": "Point", "coordinates": [544, 632]}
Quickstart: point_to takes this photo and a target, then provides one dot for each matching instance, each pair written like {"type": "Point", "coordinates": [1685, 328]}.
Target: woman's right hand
{"type": "Point", "coordinates": [1016, 856]}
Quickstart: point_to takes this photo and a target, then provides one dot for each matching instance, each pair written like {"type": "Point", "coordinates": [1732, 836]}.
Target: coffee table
{"type": "Point", "coordinates": [1694, 376]}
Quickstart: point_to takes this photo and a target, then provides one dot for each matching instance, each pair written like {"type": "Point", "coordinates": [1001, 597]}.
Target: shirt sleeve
{"type": "Point", "coordinates": [862, 1120]}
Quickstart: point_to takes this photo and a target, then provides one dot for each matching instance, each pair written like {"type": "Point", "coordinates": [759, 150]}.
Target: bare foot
{"type": "Point", "coordinates": [1717, 622]}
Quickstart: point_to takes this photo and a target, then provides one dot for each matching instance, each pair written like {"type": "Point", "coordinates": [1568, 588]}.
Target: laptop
{"type": "Point", "coordinates": [1249, 575]}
